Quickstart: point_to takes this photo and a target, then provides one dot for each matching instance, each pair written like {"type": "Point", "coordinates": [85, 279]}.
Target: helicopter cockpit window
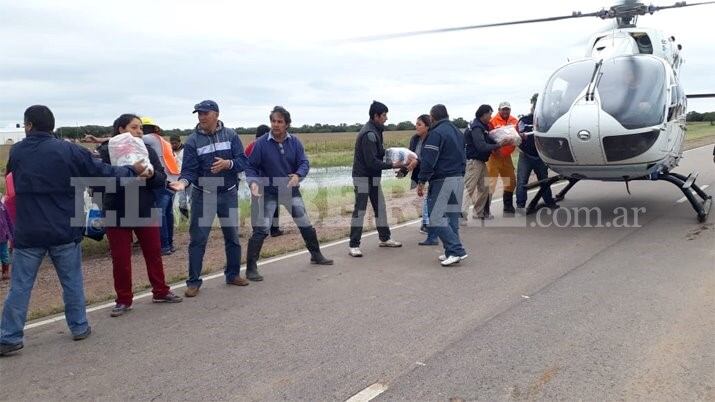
{"type": "Point", "coordinates": [633, 91]}
{"type": "Point", "coordinates": [561, 92]}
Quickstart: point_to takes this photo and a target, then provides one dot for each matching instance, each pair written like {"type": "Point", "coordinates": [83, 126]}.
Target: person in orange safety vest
{"type": "Point", "coordinates": [500, 164]}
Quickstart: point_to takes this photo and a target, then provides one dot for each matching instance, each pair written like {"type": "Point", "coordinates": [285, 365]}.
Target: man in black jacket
{"type": "Point", "coordinates": [368, 165]}
{"type": "Point", "coordinates": [478, 147]}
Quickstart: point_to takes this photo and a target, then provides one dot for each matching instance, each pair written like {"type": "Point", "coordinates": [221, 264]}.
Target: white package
{"type": "Point", "coordinates": [507, 133]}
{"type": "Point", "coordinates": [400, 154]}
{"type": "Point", "coordinates": [125, 149]}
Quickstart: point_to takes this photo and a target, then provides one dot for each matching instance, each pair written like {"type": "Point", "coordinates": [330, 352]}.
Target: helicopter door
{"type": "Point", "coordinates": [584, 133]}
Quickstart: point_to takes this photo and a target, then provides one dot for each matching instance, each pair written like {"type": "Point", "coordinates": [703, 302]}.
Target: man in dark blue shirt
{"type": "Point", "coordinates": [45, 170]}
{"type": "Point", "coordinates": [442, 165]}
{"type": "Point", "coordinates": [275, 168]}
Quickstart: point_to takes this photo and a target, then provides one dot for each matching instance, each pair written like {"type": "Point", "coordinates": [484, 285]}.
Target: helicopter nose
{"type": "Point", "coordinates": [584, 134]}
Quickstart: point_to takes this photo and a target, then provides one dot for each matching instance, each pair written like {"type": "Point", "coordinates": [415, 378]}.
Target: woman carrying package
{"type": "Point", "coordinates": [133, 215]}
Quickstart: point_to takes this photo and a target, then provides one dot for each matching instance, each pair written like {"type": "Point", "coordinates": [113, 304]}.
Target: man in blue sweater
{"type": "Point", "coordinates": [442, 165]}
{"type": "Point", "coordinates": [43, 169]}
{"type": "Point", "coordinates": [275, 168]}
{"type": "Point", "coordinates": [213, 158]}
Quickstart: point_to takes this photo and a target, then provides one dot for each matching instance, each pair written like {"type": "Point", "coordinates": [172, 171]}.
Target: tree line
{"type": "Point", "coordinates": [105, 131]}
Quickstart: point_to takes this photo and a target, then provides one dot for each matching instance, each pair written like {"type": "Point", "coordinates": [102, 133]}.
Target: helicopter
{"type": "Point", "coordinates": [618, 114]}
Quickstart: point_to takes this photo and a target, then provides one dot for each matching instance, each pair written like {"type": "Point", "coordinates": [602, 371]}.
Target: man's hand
{"type": "Point", "coordinates": [93, 139]}
{"type": "Point", "coordinates": [220, 165]}
{"type": "Point", "coordinates": [421, 190]}
{"type": "Point", "coordinates": [139, 167]}
{"type": "Point", "coordinates": [255, 189]}
{"type": "Point", "coordinates": [412, 165]}
{"type": "Point", "coordinates": [294, 180]}
{"type": "Point", "coordinates": [177, 185]}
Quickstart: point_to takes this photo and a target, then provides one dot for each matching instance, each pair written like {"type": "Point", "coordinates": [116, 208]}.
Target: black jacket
{"type": "Point", "coordinates": [369, 152]}
{"type": "Point", "coordinates": [477, 143]}
{"type": "Point", "coordinates": [416, 171]}
{"type": "Point", "coordinates": [43, 169]}
{"type": "Point", "coordinates": [526, 128]}
{"type": "Point", "coordinates": [116, 201]}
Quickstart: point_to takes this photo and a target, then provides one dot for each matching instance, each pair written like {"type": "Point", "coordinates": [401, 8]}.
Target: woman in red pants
{"type": "Point", "coordinates": [130, 219]}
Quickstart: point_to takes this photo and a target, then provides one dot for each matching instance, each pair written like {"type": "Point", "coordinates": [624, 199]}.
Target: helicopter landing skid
{"type": "Point", "coordinates": [687, 186]}
{"type": "Point", "coordinates": [535, 205]}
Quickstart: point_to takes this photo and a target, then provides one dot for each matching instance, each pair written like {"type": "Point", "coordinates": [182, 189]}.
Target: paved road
{"type": "Point", "coordinates": [534, 313]}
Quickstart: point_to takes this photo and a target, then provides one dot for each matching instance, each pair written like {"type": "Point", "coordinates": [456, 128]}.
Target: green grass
{"type": "Point", "coordinates": [699, 130]}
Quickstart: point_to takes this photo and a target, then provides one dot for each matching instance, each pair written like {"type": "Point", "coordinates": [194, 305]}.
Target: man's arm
{"type": "Point", "coordinates": [253, 167]}
{"type": "Point", "coordinates": [368, 146]}
{"type": "Point", "coordinates": [190, 164]}
{"type": "Point", "coordinates": [430, 154]}
{"type": "Point", "coordinates": [302, 161]}
{"type": "Point", "coordinates": [91, 167]}
{"type": "Point", "coordinates": [480, 143]}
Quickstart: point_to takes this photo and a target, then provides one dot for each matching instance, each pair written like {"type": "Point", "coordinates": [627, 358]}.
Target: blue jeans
{"type": "Point", "coordinates": [67, 259]}
{"type": "Point", "coordinates": [444, 198]}
{"type": "Point", "coordinates": [524, 168]}
{"type": "Point", "coordinates": [225, 205]}
{"type": "Point", "coordinates": [165, 202]}
{"type": "Point", "coordinates": [262, 220]}
{"type": "Point", "coordinates": [4, 253]}
{"type": "Point", "coordinates": [431, 236]}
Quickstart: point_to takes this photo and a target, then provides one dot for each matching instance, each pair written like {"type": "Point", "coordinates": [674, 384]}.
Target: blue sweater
{"type": "Point", "coordinates": [443, 153]}
{"type": "Point", "coordinates": [270, 167]}
{"type": "Point", "coordinates": [200, 151]}
{"type": "Point", "coordinates": [42, 168]}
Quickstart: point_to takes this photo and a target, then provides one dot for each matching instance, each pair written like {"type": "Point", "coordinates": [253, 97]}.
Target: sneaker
{"type": "Point", "coordinates": [444, 257]}
{"type": "Point", "coordinates": [168, 298]}
{"type": "Point", "coordinates": [83, 335]}
{"type": "Point", "coordinates": [276, 233]}
{"type": "Point", "coordinates": [452, 259]}
{"type": "Point", "coordinates": [238, 281]}
{"type": "Point", "coordinates": [7, 348]}
{"type": "Point", "coordinates": [390, 243]}
{"type": "Point", "coordinates": [119, 310]}
{"type": "Point", "coordinates": [355, 252]}
{"type": "Point", "coordinates": [423, 229]}
{"type": "Point", "coordinates": [191, 292]}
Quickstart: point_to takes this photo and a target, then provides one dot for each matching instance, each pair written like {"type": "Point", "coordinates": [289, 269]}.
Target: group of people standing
{"type": "Point", "coordinates": [205, 172]}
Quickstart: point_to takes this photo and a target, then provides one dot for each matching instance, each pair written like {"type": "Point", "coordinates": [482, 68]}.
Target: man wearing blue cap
{"type": "Point", "coordinates": [213, 158]}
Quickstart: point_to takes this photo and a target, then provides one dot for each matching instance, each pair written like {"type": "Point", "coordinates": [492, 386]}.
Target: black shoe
{"type": "Point", "coordinates": [276, 233]}
{"type": "Point", "coordinates": [252, 272]}
{"type": "Point", "coordinates": [552, 206]}
{"type": "Point", "coordinates": [320, 260]}
{"type": "Point", "coordinates": [83, 335]}
{"type": "Point", "coordinates": [7, 348]}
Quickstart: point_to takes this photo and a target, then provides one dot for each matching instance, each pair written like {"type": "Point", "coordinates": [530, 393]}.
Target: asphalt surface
{"type": "Point", "coordinates": [551, 312]}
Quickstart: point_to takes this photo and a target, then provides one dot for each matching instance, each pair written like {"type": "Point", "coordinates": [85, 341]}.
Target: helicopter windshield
{"type": "Point", "coordinates": [632, 90]}
{"type": "Point", "coordinates": [561, 92]}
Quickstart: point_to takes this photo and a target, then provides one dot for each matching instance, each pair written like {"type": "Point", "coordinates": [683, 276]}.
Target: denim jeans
{"type": "Point", "coordinates": [165, 202]}
{"type": "Point", "coordinates": [261, 220]}
{"type": "Point", "coordinates": [444, 198]}
{"type": "Point", "coordinates": [524, 168]}
{"type": "Point", "coordinates": [4, 253]}
{"type": "Point", "coordinates": [67, 259]}
{"type": "Point", "coordinates": [431, 236]}
{"type": "Point", "coordinates": [225, 205]}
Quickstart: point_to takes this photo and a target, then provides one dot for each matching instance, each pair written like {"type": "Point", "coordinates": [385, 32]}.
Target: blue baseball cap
{"type": "Point", "coordinates": [206, 106]}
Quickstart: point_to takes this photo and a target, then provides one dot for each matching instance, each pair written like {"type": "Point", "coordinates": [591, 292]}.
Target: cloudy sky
{"type": "Point", "coordinates": [93, 60]}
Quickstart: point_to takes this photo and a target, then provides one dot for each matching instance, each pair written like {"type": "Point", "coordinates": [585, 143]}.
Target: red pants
{"type": "Point", "coordinates": [120, 244]}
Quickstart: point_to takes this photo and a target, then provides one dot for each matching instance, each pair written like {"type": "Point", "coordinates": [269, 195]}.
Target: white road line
{"type": "Point", "coordinates": [682, 200]}
{"type": "Point", "coordinates": [146, 294]}
{"type": "Point", "coordinates": [368, 393]}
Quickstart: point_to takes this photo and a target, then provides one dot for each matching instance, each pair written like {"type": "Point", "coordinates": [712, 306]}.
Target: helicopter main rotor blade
{"type": "Point", "coordinates": [575, 14]}
{"type": "Point", "coordinates": [679, 4]}
{"type": "Point", "coordinates": [698, 96]}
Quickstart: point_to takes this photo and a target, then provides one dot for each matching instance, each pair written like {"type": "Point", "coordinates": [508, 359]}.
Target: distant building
{"type": "Point", "coordinates": [11, 136]}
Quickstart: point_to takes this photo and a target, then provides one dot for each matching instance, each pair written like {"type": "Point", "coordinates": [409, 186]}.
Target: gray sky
{"type": "Point", "coordinates": [90, 61]}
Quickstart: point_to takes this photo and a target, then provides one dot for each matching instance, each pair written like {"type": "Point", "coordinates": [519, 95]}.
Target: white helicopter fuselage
{"type": "Point", "coordinates": [618, 114]}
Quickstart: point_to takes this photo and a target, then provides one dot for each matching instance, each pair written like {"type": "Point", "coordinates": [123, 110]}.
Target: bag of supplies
{"type": "Point", "coordinates": [125, 149]}
{"type": "Point", "coordinates": [399, 154]}
{"type": "Point", "coordinates": [506, 134]}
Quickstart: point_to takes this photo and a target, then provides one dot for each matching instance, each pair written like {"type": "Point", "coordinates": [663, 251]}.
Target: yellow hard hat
{"type": "Point", "coordinates": [148, 121]}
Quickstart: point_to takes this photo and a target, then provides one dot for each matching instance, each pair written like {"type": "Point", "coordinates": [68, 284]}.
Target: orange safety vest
{"type": "Point", "coordinates": [497, 122]}
{"type": "Point", "coordinates": [167, 152]}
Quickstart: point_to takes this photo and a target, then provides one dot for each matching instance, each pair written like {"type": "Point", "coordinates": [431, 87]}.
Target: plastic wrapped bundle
{"type": "Point", "coordinates": [125, 149]}
{"type": "Point", "coordinates": [400, 154]}
{"type": "Point", "coordinates": [508, 135]}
